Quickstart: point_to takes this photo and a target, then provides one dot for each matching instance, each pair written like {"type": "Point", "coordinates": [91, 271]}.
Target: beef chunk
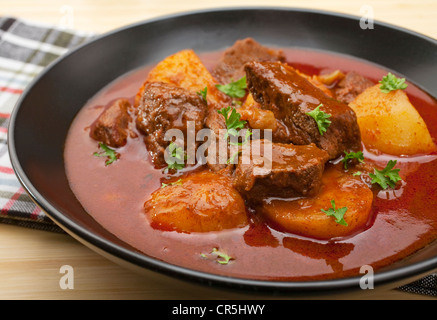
{"type": "Point", "coordinates": [112, 126]}
{"type": "Point", "coordinates": [162, 107]}
{"type": "Point", "coordinates": [295, 171]}
{"type": "Point", "coordinates": [277, 87]}
{"type": "Point", "coordinates": [231, 65]}
{"type": "Point", "coordinates": [231, 68]}
{"type": "Point", "coordinates": [351, 86]}
{"type": "Point", "coordinates": [216, 123]}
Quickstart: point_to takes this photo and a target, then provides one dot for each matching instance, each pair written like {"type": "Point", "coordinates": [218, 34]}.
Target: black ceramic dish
{"type": "Point", "coordinates": [41, 119]}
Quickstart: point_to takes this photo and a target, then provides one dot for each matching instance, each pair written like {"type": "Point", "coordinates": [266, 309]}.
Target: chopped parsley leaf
{"type": "Point", "coordinates": [111, 154]}
{"type": "Point", "coordinates": [391, 83]}
{"type": "Point", "coordinates": [179, 182]}
{"type": "Point", "coordinates": [386, 177]}
{"type": "Point", "coordinates": [176, 157]}
{"type": "Point", "coordinates": [246, 139]}
{"type": "Point", "coordinates": [233, 127]}
{"type": "Point", "coordinates": [219, 256]}
{"type": "Point", "coordinates": [338, 214]}
{"type": "Point", "coordinates": [321, 119]}
{"type": "Point", "coordinates": [203, 93]}
{"type": "Point", "coordinates": [235, 89]}
{"type": "Point", "coordinates": [233, 122]}
{"type": "Point", "coordinates": [352, 155]}
{"type": "Point", "coordinates": [222, 257]}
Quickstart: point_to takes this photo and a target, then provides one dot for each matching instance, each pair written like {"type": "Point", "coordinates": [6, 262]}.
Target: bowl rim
{"type": "Point", "coordinates": [85, 236]}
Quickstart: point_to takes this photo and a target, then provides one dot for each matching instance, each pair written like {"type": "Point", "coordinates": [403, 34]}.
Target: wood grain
{"type": "Point", "coordinates": [104, 15]}
{"type": "Point", "coordinates": [30, 260]}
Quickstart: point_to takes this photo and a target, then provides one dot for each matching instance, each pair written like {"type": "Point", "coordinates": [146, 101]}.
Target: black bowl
{"type": "Point", "coordinates": [41, 119]}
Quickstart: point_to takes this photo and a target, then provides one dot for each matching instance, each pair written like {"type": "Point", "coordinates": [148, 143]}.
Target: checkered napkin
{"type": "Point", "coordinates": [26, 48]}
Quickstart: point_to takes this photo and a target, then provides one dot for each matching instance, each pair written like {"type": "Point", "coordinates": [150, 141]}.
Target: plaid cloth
{"type": "Point", "coordinates": [26, 48]}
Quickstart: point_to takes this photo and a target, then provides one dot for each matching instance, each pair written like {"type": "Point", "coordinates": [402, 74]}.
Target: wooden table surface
{"type": "Point", "coordinates": [30, 260]}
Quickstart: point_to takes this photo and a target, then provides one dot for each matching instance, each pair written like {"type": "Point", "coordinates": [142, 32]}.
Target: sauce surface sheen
{"type": "Point", "coordinates": [403, 220]}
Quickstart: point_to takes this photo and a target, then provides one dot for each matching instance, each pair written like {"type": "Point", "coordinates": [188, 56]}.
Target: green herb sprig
{"type": "Point", "coordinates": [177, 157]}
{"type": "Point", "coordinates": [391, 83]}
{"type": "Point", "coordinates": [111, 154]}
{"type": "Point", "coordinates": [233, 127]}
{"type": "Point", "coordinates": [338, 214]}
{"type": "Point", "coordinates": [232, 121]}
{"type": "Point", "coordinates": [179, 183]}
{"type": "Point", "coordinates": [221, 257]}
{"type": "Point", "coordinates": [387, 177]}
{"type": "Point", "coordinates": [235, 89]}
{"type": "Point", "coordinates": [321, 119]}
{"type": "Point", "coordinates": [351, 156]}
{"type": "Point", "coordinates": [203, 93]}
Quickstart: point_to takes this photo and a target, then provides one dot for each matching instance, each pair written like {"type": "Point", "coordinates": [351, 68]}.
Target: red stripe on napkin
{"type": "Point", "coordinates": [11, 201]}
{"type": "Point", "coordinates": [11, 90]}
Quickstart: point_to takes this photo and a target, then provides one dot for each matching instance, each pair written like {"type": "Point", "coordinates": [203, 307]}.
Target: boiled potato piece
{"type": "Point", "coordinates": [304, 216]}
{"type": "Point", "coordinates": [185, 69]}
{"type": "Point", "coordinates": [201, 202]}
{"type": "Point", "coordinates": [389, 123]}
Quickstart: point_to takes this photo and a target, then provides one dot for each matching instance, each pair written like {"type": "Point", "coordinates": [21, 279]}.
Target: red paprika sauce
{"type": "Point", "coordinates": [403, 221]}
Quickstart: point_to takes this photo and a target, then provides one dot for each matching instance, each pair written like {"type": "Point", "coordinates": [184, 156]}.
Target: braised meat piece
{"type": "Point", "coordinates": [231, 68]}
{"type": "Point", "coordinates": [351, 86]}
{"type": "Point", "coordinates": [231, 65]}
{"type": "Point", "coordinates": [277, 87]}
{"type": "Point", "coordinates": [288, 171]}
{"type": "Point", "coordinates": [185, 69]}
{"type": "Point", "coordinates": [162, 107]}
{"type": "Point", "coordinates": [112, 126]}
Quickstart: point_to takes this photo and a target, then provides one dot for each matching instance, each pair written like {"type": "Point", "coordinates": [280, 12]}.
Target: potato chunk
{"type": "Point", "coordinates": [389, 123]}
{"type": "Point", "coordinates": [304, 217]}
{"type": "Point", "coordinates": [201, 202]}
{"type": "Point", "coordinates": [185, 69]}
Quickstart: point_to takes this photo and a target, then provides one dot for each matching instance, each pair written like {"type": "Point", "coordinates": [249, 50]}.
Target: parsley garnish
{"type": "Point", "coordinates": [203, 93]}
{"type": "Point", "coordinates": [107, 152]}
{"type": "Point", "coordinates": [321, 119]}
{"type": "Point", "coordinates": [390, 83]}
{"type": "Point", "coordinates": [179, 182]}
{"type": "Point", "coordinates": [235, 89]}
{"type": "Point", "coordinates": [233, 126]}
{"type": "Point", "coordinates": [233, 122]}
{"type": "Point", "coordinates": [338, 214]}
{"type": "Point", "coordinates": [386, 177]}
{"type": "Point", "coordinates": [176, 157]}
{"type": "Point", "coordinates": [352, 155]}
{"type": "Point", "coordinates": [246, 138]}
{"type": "Point", "coordinates": [221, 257]}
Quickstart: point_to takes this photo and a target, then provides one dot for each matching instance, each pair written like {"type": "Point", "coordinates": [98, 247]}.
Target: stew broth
{"type": "Point", "coordinates": [403, 221]}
